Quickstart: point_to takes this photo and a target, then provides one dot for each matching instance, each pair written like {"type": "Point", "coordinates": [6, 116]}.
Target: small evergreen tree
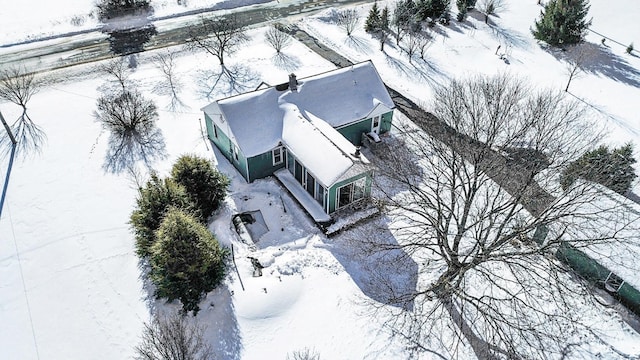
{"type": "Point", "coordinates": [205, 186]}
{"type": "Point", "coordinates": [611, 168]}
{"type": "Point", "coordinates": [562, 22]}
{"type": "Point", "coordinates": [151, 205]}
{"type": "Point", "coordinates": [432, 9]}
{"type": "Point", "coordinates": [384, 19]}
{"type": "Point", "coordinates": [186, 262]}
{"type": "Point", "coordinates": [463, 7]}
{"type": "Point", "coordinates": [372, 24]}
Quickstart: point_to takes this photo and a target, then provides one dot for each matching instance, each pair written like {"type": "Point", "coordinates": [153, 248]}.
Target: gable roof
{"type": "Point", "coordinates": [305, 119]}
{"type": "Point", "coordinates": [338, 97]}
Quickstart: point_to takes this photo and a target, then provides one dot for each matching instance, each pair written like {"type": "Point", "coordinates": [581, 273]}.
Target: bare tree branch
{"type": "Point", "coordinates": [480, 182]}
{"type": "Point", "coordinates": [348, 20]}
{"type": "Point", "coordinates": [490, 7]}
{"type": "Point", "coordinates": [173, 337]}
{"type": "Point", "coordinates": [219, 36]}
{"type": "Point", "coordinates": [277, 38]}
{"type": "Point", "coordinates": [171, 85]}
{"type": "Point", "coordinates": [134, 135]}
{"type": "Point", "coordinates": [17, 86]}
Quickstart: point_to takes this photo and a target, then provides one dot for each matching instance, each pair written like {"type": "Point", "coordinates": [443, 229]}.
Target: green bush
{"type": "Point", "coordinates": [186, 261]}
{"type": "Point", "coordinates": [611, 168]}
{"type": "Point", "coordinates": [205, 186]}
{"type": "Point", "coordinates": [152, 203]}
{"type": "Point", "coordinates": [432, 9]}
{"type": "Point", "coordinates": [109, 9]}
{"type": "Point", "coordinates": [562, 22]}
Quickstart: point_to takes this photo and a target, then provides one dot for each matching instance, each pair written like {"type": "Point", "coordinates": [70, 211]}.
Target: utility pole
{"type": "Point", "coordinates": [13, 153]}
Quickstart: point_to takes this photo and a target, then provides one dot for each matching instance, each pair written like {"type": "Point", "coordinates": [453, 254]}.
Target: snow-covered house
{"type": "Point", "coordinates": [306, 132]}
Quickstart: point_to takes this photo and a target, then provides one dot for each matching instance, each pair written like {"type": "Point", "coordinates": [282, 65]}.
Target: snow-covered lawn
{"type": "Point", "coordinates": [69, 278]}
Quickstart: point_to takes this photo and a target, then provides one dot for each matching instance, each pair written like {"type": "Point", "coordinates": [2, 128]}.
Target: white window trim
{"type": "Point", "coordinates": [376, 129]}
{"type": "Point", "coordinates": [351, 198]}
{"type": "Point", "coordinates": [273, 155]}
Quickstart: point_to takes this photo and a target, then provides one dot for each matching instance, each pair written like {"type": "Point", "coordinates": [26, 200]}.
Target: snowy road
{"type": "Point", "coordinates": [64, 50]}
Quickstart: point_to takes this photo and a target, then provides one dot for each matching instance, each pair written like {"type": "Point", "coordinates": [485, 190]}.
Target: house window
{"type": "Point", "coordinates": [351, 192]}
{"type": "Point", "coordinates": [277, 155]}
{"type": "Point", "coordinates": [234, 151]}
{"type": "Point", "coordinates": [215, 131]}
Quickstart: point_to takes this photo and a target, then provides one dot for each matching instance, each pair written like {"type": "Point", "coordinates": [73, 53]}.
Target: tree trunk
{"type": "Point", "coordinates": [480, 347]}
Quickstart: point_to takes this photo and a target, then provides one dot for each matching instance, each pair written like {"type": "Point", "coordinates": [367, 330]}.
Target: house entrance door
{"type": "Point", "coordinates": [375, 124]}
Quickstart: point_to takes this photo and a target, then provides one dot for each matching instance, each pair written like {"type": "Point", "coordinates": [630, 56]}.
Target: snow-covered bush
{"type": "Point", "coordinates": [186, 261]}
{"type": "Point", "coordinates": [205, 186]}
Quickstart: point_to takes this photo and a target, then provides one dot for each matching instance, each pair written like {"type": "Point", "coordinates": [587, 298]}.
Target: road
{"type": "Point", "coordinates": [76, 48]}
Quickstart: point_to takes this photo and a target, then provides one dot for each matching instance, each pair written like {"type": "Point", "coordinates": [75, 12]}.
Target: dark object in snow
{"type": "Point", "coordinates": [257, 267]}
{"type": "Point", "coordinates": [293, 83]}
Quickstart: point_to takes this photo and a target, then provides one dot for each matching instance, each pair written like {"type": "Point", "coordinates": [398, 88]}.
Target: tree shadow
{"type": "Point", "coordinates": [508, 37]}
{"type": "Point", "coordinates": [130, 41]}
{"type": "Point", "coordinates": [125, 150]}
{"type": "Point", "coordinates": [428, 71]}
{"type": "Point", "coordinates": [223, 332]}
{"type": "Point", "coordinates": [286, 62]}
{"type": "Point", "coordinates": [225, 81]}
{"type": "Point", "coordinates": [358, 43]}
{"type": "Point", "coordinates": [217, 316]}
{"type": "Point", "coordinates": [377, 264]}
{"type": "Point", "coordinates": [601, 62]}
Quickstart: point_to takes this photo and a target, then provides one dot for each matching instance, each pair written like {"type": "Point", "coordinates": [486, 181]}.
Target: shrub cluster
{"type": "Point", "coordinates": [169, 223]}
{"type": "Point", "coordinates": [609, 167]}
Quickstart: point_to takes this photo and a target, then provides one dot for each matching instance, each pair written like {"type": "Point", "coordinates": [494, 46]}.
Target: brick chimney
{"type": "Point", "coordinates": [293, 83]}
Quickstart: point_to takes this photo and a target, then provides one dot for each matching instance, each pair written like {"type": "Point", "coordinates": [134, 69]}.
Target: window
{"type": "Point", "coordinates": [351, 192]}
{"type": "Point", "coordinates": [215, 131]}
{"type": "Point", "coordinates": [277, 155]}
{"type": "Point", "coordinates": [234, 151]}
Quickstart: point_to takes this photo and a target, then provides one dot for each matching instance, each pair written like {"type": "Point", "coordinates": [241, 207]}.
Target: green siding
{"type": "Point", "coordinates": [333, 190]}
{"type": "Point", "coordinates": [262, 165]}
{"type": "Point", "coordinates": [223, 144]}
{"type": "Point", "coordinates": [385, 126]}
{"type": "Point", "coordinates": [353, 132]}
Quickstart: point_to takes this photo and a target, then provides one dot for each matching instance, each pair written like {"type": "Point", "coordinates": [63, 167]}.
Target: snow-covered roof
{"type": "Point", "coordinates": [322, 158]}
{"type": "Point", "coordinates": [338, 97]}
{"type": "Point", "coordinates": [342, 96]}
{"type": "Point", "coordinates": [252, 120]}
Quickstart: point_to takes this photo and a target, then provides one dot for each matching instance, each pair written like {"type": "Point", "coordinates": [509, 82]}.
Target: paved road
{"type": "Point", "coordinates": [92, 45]}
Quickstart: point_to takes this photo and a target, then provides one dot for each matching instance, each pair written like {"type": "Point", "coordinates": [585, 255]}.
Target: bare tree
{"type": "Point", "coordinates": [577, 55]}
{"type": "Point", "coordinates": [304, 354]}
{"type": "Point", "coordinates": [131, 120]}
{"type": "Point", "coordinates": [173, 338]}
{"type": "Point", "coordinates": [118, 71]}
{"type": "Point", "coordinates": [219, 36]}
{"type": "Point", "coordinates": [404, 18]}
{"type": "Point", "coordinates": [490, 7]}
{"type": "Point", "coordinates": [18, 86]}
{"type": "Point", "coordinates": [348, 20]}
{"type": "Point", "coordinates": [171, 84]}
{"type": "Point", "coordinates": [277, 38]}
{"type": "Point", "coordinates": [416, 43]}
{"type": "Point", "coordinates": [469, 207]}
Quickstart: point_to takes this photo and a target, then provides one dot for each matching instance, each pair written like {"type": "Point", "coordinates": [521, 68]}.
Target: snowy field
{"type": "Point", "coordinates": [69, 277]}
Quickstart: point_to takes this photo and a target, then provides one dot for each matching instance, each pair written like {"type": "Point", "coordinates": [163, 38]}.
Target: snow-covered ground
{"type": "Point", "coordinates": [69, 281]}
